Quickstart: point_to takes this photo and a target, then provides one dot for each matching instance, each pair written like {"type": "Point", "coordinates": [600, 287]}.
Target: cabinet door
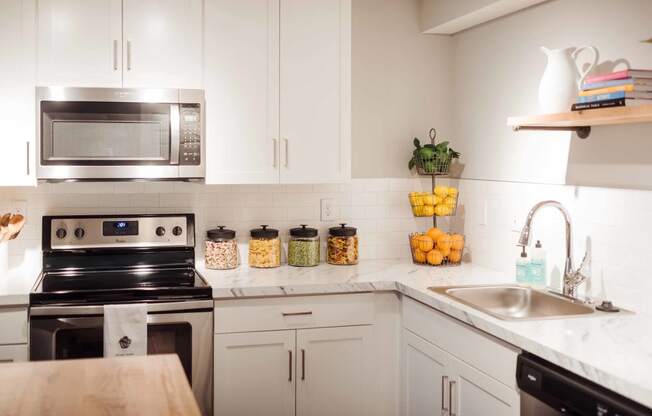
{"type": "Point", "coordinates": [162, 43]}
{"type": "Point", "coordinates": [17, 87]}
{"type": "Point", "coordinates": [254, 374]}
{"type": "Point", "coordinates": [241, 82]}
{"type": "Point", "coordinates": [315, 91]}
{"type": "Point", "coordinates": [79, 43]}
{"type": "Point", "coordinates": [474, 393]}
{"type": "Point", "coordinates": [13, 353]}
{"type": "Point", "coordinates": [424, 379]}
{"type": "Point", "coordinates": [333, 369]}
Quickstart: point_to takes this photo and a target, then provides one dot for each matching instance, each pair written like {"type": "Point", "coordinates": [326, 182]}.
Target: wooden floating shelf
{"type": "Point", "coordinates": [582, 121]}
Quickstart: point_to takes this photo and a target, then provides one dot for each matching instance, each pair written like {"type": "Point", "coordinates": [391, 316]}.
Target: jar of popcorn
{"type": "Point", "coordinates": [221, 249]}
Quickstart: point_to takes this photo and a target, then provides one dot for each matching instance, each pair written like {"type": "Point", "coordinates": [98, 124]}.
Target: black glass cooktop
{"type": "Point", "coordinates": [88, 287]}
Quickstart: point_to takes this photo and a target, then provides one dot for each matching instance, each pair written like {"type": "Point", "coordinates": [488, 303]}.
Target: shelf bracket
{"type": "Point", "coordinates": [582, 131]}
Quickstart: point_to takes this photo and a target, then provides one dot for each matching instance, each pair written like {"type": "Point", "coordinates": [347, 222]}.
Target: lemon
{"type": "Point", "coordinates": [438, 200]}
{"type": "Point", "coordinates": [450, 201]}
{"type": "Point", "coordinates": [441, 191]}
{"type": "Point", "coordinates": [428, 210]}
{"type": "Point", "coordinates": [442, 210]}
{"type": "Point", "coordinates": [452, 192]}
{"type": "Point", "coordinates": [429, 199]}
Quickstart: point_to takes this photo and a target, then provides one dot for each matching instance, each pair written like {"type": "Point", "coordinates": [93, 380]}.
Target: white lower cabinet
{"type": "Point", "coordinates": [310, 372]}
{"type": "Point", "coordinates": [14, 353]}
{"type": "Point", "coordinates": [451, 369]}
{"type": "Point", "coordinates": [254, 373]}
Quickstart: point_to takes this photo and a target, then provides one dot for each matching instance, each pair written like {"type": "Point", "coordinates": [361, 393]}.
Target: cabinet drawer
{"type": "Point", "coordinates": [244, 315]}
{"type": "Point", "coordinates": [482, 351]}
{"type": "Point", "coordinates": [13, 353]}
{"type": "Point", "coordinates": [13, 325]}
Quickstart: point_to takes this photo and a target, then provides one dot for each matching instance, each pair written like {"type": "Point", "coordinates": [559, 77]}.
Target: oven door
{"type": "Point", "coordinates": [182, 328]}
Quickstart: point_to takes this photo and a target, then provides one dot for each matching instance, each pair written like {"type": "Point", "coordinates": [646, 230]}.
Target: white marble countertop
{"type": "Point", "coordinates": [613, 350]}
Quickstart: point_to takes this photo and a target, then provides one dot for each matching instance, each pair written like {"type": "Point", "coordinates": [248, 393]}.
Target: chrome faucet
{"type": "Point", "coordinates": [573, 278]}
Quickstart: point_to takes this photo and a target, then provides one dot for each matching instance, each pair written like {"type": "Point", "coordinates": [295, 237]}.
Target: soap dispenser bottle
{"type": "Point", "coordinates": [522, 266]}
{"type": "Point", "coordinates": [537, 268]}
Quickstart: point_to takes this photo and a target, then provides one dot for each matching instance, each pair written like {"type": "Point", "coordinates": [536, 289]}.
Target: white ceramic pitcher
{"type": "Point", "coordinates": [562, 78]}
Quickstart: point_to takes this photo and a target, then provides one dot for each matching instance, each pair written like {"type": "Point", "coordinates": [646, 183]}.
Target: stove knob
{"type": "Point", "coordinates": [160, 231]}
{"type": "Point", "coordinates": [79, 232]}
{"type": "Point", "coordinates": [177, 231]}
{"type": "Point", "coordinates": [61, 233]}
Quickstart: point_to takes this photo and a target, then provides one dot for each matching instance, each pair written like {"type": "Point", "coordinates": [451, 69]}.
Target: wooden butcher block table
{"type": "Point", "coordinates": [144, 385]}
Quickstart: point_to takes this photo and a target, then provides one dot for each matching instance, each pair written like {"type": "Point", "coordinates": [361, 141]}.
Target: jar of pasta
{"type": "Point", "coordinates": [342, 245]}
{"type": "Point", "coordinates": [221, 249]}
{"type": "Point", "coordinates": [264, 248]}
{"type": "Point", "coordinates": [303, 247]}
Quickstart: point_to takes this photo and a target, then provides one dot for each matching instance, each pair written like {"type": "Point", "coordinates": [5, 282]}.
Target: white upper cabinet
{"type": "Point", "coordinates": [115, 43]}
{"type": "Point", "coordinates": [17, 88]}
{"type": "Point", "coordinates": [278, 91]}
{"type": "Point", "coordinates": [80, 43]}
{"type": "Point", "coordinates": [162, 43]}
{"type": "Point", "coordinates": [315, 90]}
{"type": "Point", "coordinates": [241, 66]}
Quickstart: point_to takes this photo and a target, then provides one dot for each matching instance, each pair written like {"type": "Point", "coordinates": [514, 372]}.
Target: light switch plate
{"type": "Point", "coordinates": [327, 209]}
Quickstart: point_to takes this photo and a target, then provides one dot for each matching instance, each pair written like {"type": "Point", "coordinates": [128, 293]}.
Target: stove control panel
{"type": "Point", "coordinates": [65, 233]}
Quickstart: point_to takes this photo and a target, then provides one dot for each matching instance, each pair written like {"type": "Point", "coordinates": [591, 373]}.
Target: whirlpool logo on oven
{"type": "Point", "coordinates": [124, 342]}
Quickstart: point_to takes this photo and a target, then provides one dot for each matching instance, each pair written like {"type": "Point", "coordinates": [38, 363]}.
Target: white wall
{"type": "Point", "coordinates": [497, 70]}
{"type": "Point", "coordinates": [401, 84]}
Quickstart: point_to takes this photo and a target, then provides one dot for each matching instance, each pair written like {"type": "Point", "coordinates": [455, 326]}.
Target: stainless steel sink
{"type": "Point", "coordinates": [514, 302]}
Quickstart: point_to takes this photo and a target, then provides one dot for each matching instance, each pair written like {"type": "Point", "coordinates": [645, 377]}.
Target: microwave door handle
{"type": "Point", "coordinates": [175, 134]}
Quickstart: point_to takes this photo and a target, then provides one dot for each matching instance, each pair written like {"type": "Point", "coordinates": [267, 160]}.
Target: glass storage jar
{"type": "Point", "coordinates": [303, 247]}
{"type": "Point", "coordinates": [221, 249]}
{"type": "Point", "coordinates": [342, 245]}
{"type": "Point", "coordinates": [264, 248]}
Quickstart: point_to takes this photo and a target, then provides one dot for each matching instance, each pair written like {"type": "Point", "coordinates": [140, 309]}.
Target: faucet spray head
{"type": "Point", "coordinates": [524, 238]}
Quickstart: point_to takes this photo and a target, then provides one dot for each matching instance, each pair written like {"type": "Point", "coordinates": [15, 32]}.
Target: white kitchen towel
{"type": "Point", "coordinates": [125, 330]}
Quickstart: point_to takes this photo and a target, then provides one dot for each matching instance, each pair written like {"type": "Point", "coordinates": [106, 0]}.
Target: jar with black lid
{"type": "Point", "coordinates": [221, 249]}
{"type": "Point", "coordinates": [264, 247]}
{"type": "Point", "coordinates": [343, 245]}
{"type": "Point", "coordinates": [303, 247]}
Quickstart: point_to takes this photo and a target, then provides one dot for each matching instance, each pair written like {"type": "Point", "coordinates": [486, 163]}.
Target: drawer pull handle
{"type": "Point", "coordinates": [444, 408]}
{"type": "Point", "coordinates": [451, 385]}
{"type": "Point", "coordinates": [290, 366]}
{"type": "Point", "coordinates": [296, 313]}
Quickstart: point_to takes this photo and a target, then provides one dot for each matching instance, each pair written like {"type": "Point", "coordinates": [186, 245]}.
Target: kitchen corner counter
{"type": "Point", "coordinates": [612, 350]}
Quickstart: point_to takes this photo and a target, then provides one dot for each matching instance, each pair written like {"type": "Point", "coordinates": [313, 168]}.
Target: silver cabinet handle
{"type": "Point", "coordinates": [115, 54]}
{"type": "Point", "coordinates": [287, 145]}
{"type": "Point", "coordinates": [27, 158]}
{"type": "Point", "coordinates": [128, 55]}
{"type": "Point", "coordinates": [303, 364]}
{"type": "Point", "coordinates": [451, 385]}
{"type": "Point", "coordinates": [296, 313]}
{"type": "Point", "coordinates": [275, 144]}
{"type": "Point", "coordinates": [444, 408]}
{"type": "Point", "coordinates": [290, 366]}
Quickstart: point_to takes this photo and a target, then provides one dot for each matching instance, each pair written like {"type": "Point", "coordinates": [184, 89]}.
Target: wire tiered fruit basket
{"type": "Point", "coordinates": [435, 247]}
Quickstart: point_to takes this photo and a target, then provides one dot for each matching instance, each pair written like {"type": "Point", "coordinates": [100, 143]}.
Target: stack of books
{"type": "Point", "coordinates": [616, 89]}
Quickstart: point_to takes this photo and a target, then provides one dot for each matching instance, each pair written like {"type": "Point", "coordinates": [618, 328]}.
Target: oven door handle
{"type": "Point", "coordinates": [190, 306]}
{"type": "Point", "coordinates": [175, 133]}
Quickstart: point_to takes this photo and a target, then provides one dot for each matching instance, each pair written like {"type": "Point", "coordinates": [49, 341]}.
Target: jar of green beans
{"type": "Point", "coordinates": [303, 247]}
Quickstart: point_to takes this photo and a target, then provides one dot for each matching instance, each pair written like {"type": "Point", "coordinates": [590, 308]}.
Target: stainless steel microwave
{"type": "Point", "coordinates": [120, 134]}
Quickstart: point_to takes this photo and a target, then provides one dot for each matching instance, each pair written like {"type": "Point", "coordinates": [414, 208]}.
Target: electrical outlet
{"type": "Point", "coordinates": [327, 209]}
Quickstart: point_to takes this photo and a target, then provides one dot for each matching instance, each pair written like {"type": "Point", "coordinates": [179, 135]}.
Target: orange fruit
{"type": "Point", "coordinates": [444, 242]}
{"type": "Point", "coordinates": [425, 243]}
{"type": "Point", "coordinates": [434, 257]}
{"type": "Point", "coordinates": [455, 256]}
{"type": "Point", "coordinates": [419, 256]}
{"type": "Point", "coordinates": [434, 233]}
{"type": "Point", "coordinates": [457, 242]}
{"type": "Point", "coordinates": [413, 241]}
{"type": "Point", "coordinates": [444, 251]}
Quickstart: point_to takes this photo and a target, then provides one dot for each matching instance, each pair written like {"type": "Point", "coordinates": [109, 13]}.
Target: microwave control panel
{"type": "Point", "coordinates": [190, 132]}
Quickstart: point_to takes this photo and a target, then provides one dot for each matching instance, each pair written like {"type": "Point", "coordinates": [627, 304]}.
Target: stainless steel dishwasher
{"type": "Point", "coordinates": [549, 390]}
